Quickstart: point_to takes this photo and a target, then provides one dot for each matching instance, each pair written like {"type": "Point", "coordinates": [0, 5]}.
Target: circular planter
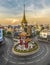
{"type": "Point", "coordinates": [25, 52]}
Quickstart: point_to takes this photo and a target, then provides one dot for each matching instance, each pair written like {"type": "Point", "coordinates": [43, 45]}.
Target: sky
{"type": "Point", "coordinates": [11, 11]}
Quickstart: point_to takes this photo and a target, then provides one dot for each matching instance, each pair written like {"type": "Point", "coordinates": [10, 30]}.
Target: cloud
{"type": "Point", "coordinates": [13, 8]}
{"type": "Point", "coordinates": [39, 8]}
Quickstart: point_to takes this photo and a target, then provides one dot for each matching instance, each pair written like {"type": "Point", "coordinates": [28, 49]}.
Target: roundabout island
{"type": "Point", "coordinates": [25, 46]}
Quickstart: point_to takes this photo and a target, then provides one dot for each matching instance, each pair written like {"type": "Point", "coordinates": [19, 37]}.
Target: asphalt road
{"type": "Point", "coordinates": [42, 57]}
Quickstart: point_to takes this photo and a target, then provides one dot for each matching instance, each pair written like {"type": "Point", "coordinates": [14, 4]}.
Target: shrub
{"type": "Point", "coordinates": [4, 33]}
{"type": "Point", "coordinates": [9, 33]}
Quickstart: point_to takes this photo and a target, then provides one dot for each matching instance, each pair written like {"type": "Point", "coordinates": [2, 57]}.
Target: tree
{"type": "Point", "coordinates": [4, 32]}
{"type": "Point", "coordinates": [9, 34]}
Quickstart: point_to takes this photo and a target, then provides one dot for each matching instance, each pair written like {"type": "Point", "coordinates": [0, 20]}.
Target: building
{"type": "Point", "coordinates": [24, 21]}
{"type": "Point", "coordinates": [25, 25]}
{"type": "Point", "coordinates": [38, 27]}
{"type": "Point", "coordinates": [45, 34]}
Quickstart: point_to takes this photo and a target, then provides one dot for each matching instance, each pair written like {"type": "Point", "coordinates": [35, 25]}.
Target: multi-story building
{"type": "Point", "coordinates": [45, 34]}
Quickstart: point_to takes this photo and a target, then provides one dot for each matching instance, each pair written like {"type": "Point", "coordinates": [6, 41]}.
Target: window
{"type": "Point", "coordinates": [0, 33]}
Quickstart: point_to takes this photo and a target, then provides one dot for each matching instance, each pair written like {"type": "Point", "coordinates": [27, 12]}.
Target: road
{"type": "Point", "coordinates": [42, 57]}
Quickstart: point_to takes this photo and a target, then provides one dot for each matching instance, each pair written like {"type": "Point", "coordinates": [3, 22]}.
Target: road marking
{"type": "Point", "coordinates": [41, 57]}
{"type": "Point", "coordinates": [12, 62]}
{"type": "Point", "coordinates": [37, 55]}
{"type": "Point", "coordinates": [4, 57]}
{"type": "Point", "coordinates": [21, 63]}
{"type": "Point", "coordinates": [32, 57]}
{"type": "Point", "coordinates": [28, 58]}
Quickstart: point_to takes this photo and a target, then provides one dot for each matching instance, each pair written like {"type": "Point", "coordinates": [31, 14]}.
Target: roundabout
{"type": "Point", "coordinates": [12, 59]}
{"type": "Point", "coordinates": [27, 52]}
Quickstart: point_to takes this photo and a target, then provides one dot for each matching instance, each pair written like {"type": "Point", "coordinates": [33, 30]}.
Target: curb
{"type": "Point", "coordinates": [43, 40]}
{"type": "Point", "coordinates": [25, 54]}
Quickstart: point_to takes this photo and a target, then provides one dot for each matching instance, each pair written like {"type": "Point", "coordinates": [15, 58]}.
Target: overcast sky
{"type": "Point", "coordinates": [11, 8]}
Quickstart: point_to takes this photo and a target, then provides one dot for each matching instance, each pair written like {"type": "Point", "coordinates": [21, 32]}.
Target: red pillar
{"type": "Point", "coordinates": [26, 45]}
{"type": "Point", "coordinates": [21, 42]}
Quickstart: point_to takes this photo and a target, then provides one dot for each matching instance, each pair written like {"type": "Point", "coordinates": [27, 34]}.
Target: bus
{"type": "Point", "coordinates": [1, 35]}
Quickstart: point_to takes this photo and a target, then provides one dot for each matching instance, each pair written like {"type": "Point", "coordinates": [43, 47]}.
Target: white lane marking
{"type": "Point", "coordinates": [12, 62]}
{"type": "Point", "coordinates": [34, 61]}
{"type": "Point", "coordinates": [4, 57]}
{"type": "Point", "coordinates": [28, 58]}
{"type": "Point", "coordinates": [31, 61]}
{"type": "Point", "coordinates": [21, 63]}
{"type": "Point", "coordinates": [41, 57]}
{"type": "Point", "coordinates": [7, 60]}
{"type": "Point", "coordinates": [38, 54]}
